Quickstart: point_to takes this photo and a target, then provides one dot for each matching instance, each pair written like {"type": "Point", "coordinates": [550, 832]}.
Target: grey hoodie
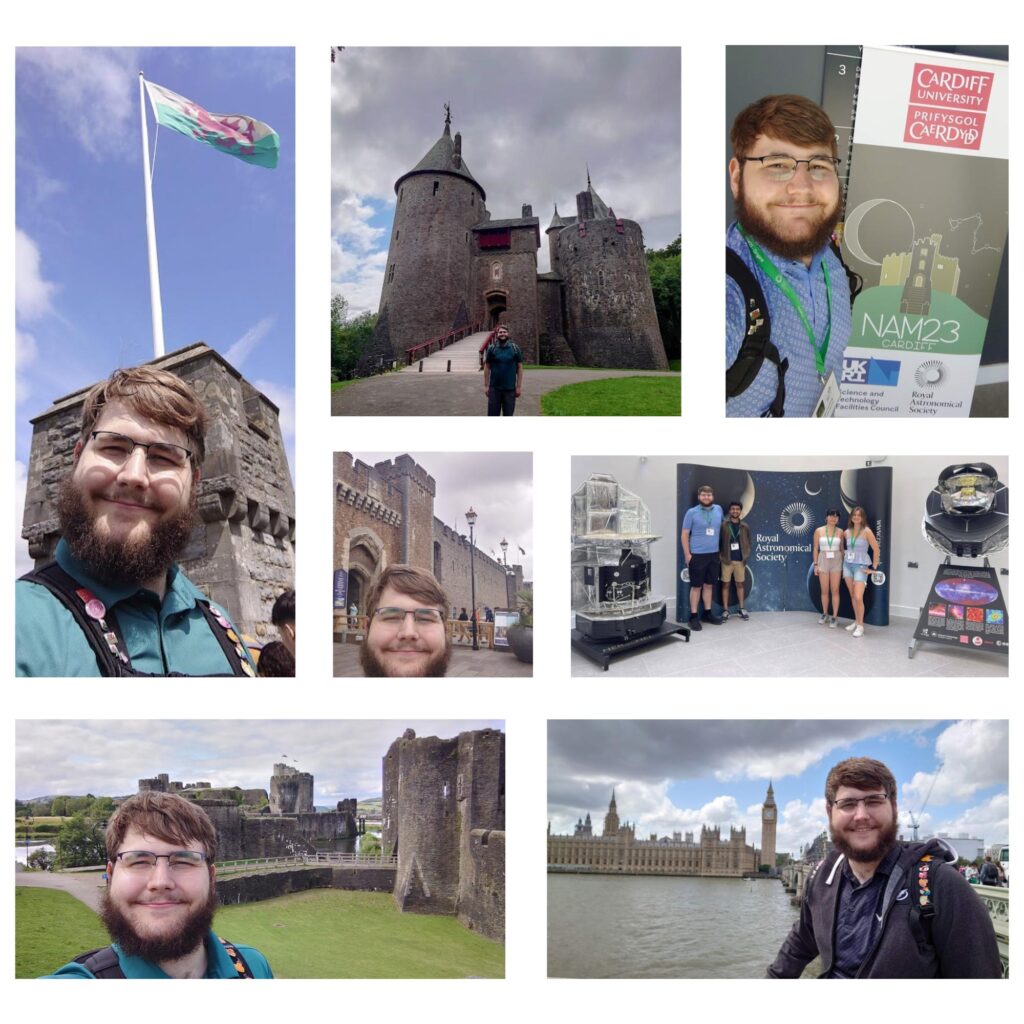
{"type": "Point", "coordinates": [957, 942]}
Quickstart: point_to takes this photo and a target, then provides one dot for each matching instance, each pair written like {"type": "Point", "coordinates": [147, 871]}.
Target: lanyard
{"type": "Point", "coordinates": [854, 535]}
{"type": "Point", "coordinates": [708, 514]}
{"type": "Point", "coordinates": [734, 531]}
{"type": "Point", "coordinates": [829, 537]}
{"type": "Point", "coordinates": [775, 275]}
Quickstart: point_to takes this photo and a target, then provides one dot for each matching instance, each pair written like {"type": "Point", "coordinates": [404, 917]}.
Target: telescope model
{"type": "Point", "coordinates": [611, 564]}
{"type": "Point", "coordinates": [967, 513]}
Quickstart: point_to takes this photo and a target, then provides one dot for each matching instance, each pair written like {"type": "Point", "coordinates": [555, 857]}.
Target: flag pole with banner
{"type": "Point", "coordinates": [155, 304]}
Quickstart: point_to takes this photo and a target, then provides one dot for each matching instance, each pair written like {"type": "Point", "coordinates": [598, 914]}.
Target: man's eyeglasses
{"type": "Point", "coordinates": [142, 861]}
{"type": "Point", "coordinates": [783, 168]}
{"type": "Point", "coordinates": [421, 616]}
{"type": "Point", "coordinates": [118, 449]}
{"type": "Point", "coordinates": [871, 803]}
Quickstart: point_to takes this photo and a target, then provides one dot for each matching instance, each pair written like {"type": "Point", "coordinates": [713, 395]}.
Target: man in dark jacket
{"type": "Point", "coordinates": [734, 547]}
{"type": "Point", "coordinates": [876, 907]}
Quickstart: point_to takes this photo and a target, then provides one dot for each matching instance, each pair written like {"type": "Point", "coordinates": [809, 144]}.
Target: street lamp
{"type": "Point", "coordinates": [471, 519]}
{"type": "Point", "coordinates": [504, 555]}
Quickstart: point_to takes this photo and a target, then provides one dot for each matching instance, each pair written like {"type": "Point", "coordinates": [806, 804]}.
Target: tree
{"type": "Point", "coordinates": [101, 807]}
{"type": "Point", "coordinates": [59, 806]}
{"type": "Point", "coordinates": [78, 804]}
{"type": "Point", "coordinates": [348, 337]}
{"type": "Point", "coordinates": [663, 265]}
{"type": "Point", "coordinates": [80, 843]}
{"type": "Point", "coordinates": [41, 860]}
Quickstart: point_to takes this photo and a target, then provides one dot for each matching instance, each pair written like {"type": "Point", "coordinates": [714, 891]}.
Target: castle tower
{"type": "Point", "coordinates": [611, 819]}
{"type": "Point", "coordinates": [611, 318]}
{"type": "Point", "coordinates": [769, 816]}
{"type": "Point", "coordinates": [291, 791]}
{"type": "Point", "coordinates": [426, 281]}
{"type": "Point", "coordinates": [417, 489]}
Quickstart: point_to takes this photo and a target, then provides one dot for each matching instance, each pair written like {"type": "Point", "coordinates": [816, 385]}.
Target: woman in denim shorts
{"type": "Point", "coordinates": [856, 562]}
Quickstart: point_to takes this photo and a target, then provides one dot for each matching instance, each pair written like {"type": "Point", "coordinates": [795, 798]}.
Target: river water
{"type": "Point", "coordinates": [643, 926]}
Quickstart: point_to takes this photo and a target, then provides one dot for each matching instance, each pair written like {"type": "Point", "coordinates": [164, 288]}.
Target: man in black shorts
{"type": "Point", "coordinates": [702, 526]}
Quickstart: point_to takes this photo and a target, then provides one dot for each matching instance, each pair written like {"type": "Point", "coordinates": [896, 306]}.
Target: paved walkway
{"type": "Point", "coordinates": [465, 663]}
{"type": "Point", "coordinates": [86, 886]}
{"type": "Point", "coordinates": [456, 394]}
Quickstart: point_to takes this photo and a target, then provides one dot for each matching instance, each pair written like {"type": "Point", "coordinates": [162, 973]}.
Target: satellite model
{"type": "Point", "coordinates": [967, 513]}
{"type": "Point", "coordinates": [611, 563]}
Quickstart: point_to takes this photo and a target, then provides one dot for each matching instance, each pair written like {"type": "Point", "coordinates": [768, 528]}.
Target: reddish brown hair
{"type": "Point", "coordinates": [165, 816]}
{"type": "Point", "coordinates": [409, 580]}
{"type": "Point", "coordinates": [788, 118]}
{"type": "Point", "coordinates": [860, 773]}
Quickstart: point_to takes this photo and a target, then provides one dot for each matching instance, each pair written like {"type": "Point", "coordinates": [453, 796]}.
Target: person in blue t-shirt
{"type": "Point", "coordinates": [702, 525]}
{"type": "Point", "coordinates": [503, 374]}
{"type": "Point", "coordinates": [160, 898]}
{"type": "Point", "coordinates": [785, 183]}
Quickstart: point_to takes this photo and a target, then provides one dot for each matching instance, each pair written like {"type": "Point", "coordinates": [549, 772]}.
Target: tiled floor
{"type": "Point", "coordinates": [793, 644]}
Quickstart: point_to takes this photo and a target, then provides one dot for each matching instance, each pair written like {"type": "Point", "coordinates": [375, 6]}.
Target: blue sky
{"type": "Point", "coordinates": [675, 776]}
{"type": "Point", "coordinates": [225, 229]}
{"type": "Point", "coordinates": [107, 758]}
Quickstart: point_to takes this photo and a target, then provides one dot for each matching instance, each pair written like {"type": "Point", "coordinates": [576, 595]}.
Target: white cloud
{"type": "Point", "coordinates": [284, 399]}
{"type": "Point", "coordinates": [25, 352]}
{"type": "Point", "coordinates": [350, 222]}
{"type": "Point", "coordinates": [989, 821]}
{"type": "Point", "coordinates": [92, 94]}
{"type": "Point", "coordinates": [32, 292]}
{"type": "Point", "coordinates": [974, 755]}
{"type": "Point", "coordinates": [358, 278]}
{"type": "Point", "coordinates": [241, 349]}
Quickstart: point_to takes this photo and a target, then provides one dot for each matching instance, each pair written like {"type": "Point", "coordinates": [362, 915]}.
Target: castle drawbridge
{"type": "Point", "coordinates": [463, 355]}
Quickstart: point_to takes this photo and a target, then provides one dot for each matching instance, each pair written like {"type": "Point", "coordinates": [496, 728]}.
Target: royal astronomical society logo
{"type": "Point", "coordinates": [879, 373]}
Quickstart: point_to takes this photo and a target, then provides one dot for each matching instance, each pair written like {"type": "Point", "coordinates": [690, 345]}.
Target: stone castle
{"type": "Point", "coordinates": [242, 551]}
{"type": "Point", "coordinates": [451, 267]}
{"type": "Point", "coordinates": [443, 812]}
{"type": "Point", "coordinates": [252, 824]}
{"type": "Point", "coordinates": [618, 851]}
{"type": "Point", "coordinates": [385, 514]}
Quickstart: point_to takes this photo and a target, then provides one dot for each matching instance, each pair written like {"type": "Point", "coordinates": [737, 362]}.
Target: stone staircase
{"type": "Point", "coordinates": [463, 355]}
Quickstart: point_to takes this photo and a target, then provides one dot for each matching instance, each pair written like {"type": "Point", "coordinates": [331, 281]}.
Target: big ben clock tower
{"type": "Point", "coordinates": [769, 814]}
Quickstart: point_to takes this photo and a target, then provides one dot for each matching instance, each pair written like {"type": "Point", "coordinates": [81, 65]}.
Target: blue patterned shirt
{"type": "Point", "coordinates": [803, 387]}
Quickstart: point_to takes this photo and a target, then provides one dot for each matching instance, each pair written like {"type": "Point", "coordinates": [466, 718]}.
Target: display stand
{"type": "Point", "coordinates": [602, 653]}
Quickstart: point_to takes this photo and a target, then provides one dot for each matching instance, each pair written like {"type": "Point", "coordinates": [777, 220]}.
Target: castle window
{"type": "Point", "coordinates": [401, 192]}
{"type": "Point", "coordinates": [437, 185]}
{"type": "Point", "coordinates": [472, 199]}
{"type": "Point", "coordinates": [391, 274]}
{"type": "Point", "coordinates": [397, 233]}
{"type": "Point", "coordinates": [600, 279]}
{"type": "Point", "coordinates": [495, 271]}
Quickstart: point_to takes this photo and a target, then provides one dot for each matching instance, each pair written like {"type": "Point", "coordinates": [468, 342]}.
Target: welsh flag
{"type": "Point", "coordinates": [236, 134]}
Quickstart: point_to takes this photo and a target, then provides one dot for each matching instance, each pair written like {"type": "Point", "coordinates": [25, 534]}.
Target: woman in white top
{"type": "Point", "coordinates": [828, 544]}
{"type": "Point", "coordinates": [856, 560]}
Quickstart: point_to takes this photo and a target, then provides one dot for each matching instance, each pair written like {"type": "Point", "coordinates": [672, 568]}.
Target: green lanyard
{"type": "Point", "coordinates": [853, 538]}
{"type": "Point", "coordinates": [829, 537]}
{"type": "Point", "coordinates": [734, 531]}
{"type": "Point", "coordinates": [708, 514]}
{"type": "Point", "coordinates": [775, 275]}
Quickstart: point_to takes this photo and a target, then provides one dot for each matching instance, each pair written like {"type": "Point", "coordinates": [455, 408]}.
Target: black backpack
{"type": "Point", "coordinates": [103, 963]}
{"type": "Point", "coordinates": [757, 345]}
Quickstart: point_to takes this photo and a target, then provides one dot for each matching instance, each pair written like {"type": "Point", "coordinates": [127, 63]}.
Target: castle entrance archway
{"type": "Point", "coordinates": [366, 558]}
{"type": "Point", "coordinates": [497, 303]}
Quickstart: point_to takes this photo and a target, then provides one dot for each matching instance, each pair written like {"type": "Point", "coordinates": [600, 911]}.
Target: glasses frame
{"type": "Point", "coordinates": [835, 161]}
{"type": "Point", "coordinates": [854, 802]}
{"type": "Point", "coordinates": [189, 456]}
{"type": "Point", "coordinates": [191, 854]}
{"type": "Point", "coordinates": [406, 612]}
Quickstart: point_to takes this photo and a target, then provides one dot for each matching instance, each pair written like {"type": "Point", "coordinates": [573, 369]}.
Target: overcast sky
{"type": "Point", "coordinates": [676, 776]}
{"type": "Point", "coordinates": [107, 758]}
{"type": "Point", "coordinates": [531, 121]}
{"type": "Point", "coordinates": [499, 487]}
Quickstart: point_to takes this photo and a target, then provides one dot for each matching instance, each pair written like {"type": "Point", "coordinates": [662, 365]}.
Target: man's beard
{"type": "Point", "coordinates": [114, 561]}
{"type": "Point", "coordinates": [155, 950]}
{"type": "Point", "coordinates": [760, 227]}
{"type": "Point", "coordinates": [886, 839]}
{"type": "Point", "coordinates": [374, 668]}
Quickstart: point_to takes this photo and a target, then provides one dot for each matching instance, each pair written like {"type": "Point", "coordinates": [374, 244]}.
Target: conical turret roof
{"type": "Point", "coordinates": [443, 158]}
{"type": "Point", "coordinates": [557, 220]}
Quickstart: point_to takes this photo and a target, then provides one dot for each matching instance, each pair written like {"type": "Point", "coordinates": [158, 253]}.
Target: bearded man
{"type": "Point", "coordinates": [784, 354]}
{"type": "Point", "coordinates": [160, 899]}
{"type": "Point", "coordinates": [407, 635]}
{"type": "Point", "coordinates": [877, 907]}
{"type": "Point", "coordinates": [113, 601]}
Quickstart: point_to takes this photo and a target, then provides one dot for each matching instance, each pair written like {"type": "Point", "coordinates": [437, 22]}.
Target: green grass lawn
{"type": "Point", "coordinates": [337, 385]}
{"type": "Point", "coordinates": [615, 396]}
{"type": "Point", "coordinates": [325, 933]}
{"type": "Point", "coordinates": [51, 928]}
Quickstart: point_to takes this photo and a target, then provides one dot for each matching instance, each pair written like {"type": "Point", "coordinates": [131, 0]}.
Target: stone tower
{"type": "Point", "coordinates": [611, 819]}
{"type": "Point", "coordinates": [426, 280]}
{"type": "Point", "coordinates": [291, 791]}
{"type": "Point", "coordinates": [769, 819]}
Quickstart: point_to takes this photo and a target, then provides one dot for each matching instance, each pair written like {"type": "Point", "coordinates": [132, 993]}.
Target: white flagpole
{"type": "Point", "coordinates": [154, 269]}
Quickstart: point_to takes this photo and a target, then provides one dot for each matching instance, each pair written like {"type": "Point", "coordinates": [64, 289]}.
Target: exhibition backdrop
{"type": "Point", "coordinates": [783, 510]}
{"type": "Point", "coordinates": [926, 226]}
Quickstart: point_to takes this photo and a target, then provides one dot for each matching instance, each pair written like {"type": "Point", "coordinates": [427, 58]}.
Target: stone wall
{"type": "Point", "coordinates": [269, 885]}
{"type": "Point", "coordinates": [416, 489]}
{"type": "Point", "coordinates": [512, 274]}
{"type": "Point", "coordinates": [291, 791]}
{"type": "Point", "coordinates": [482, 888]}
{"type": "Point", "coordinates": [451, 566]}
{"type": "Point", "coordinates": [242, 552]}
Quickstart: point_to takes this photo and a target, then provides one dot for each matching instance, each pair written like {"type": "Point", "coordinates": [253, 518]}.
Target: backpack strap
{"type": "Point", "coordinates": [101, 963]}
{"type": "Point", "coordinates": [757, 345]}
{"type": "Point", "coordinates": [924, 906]}
{"type": "Point", "coordinates": [856, 281]}
{"type": "Point", "coordinates": [242, 969]}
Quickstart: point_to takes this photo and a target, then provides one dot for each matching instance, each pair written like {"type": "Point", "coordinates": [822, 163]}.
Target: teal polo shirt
{"type": "Point", "coordinates": [504, 361]}
{"type": "Point", "coordinates": [161, 636]}
{"type": "Point", "coordinates": [218, 964]}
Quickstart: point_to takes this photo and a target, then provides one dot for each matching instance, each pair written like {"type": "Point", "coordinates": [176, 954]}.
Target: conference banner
{"type": "Point", "coordinates": [782, 510]}
{"type": "Point", "coordinates": [965, 608]}
{"type": "Point", "coordinates": [926, 227]}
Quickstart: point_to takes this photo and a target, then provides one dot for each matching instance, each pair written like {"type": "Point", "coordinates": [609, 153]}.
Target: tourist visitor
{"type": "Point", "coordinates": [407, 634]}
{"type": "Point", "coordinates": [114, 601]}
{"type": "Point", "coordinates": [877, 907]}
{"type": "Point", "coordinates": [828, 545]}
{"type": "Point", "coordinates": [283, 616]}
{"type": "Point", "coordinates": [700, 536]}
{"type": "Point", "coordinates": [734, 550]}
{"type": "Point", "coordinates": [503, 374]}
{"type": "Point", "coordinates": [787, 292]}
{"type": "Point", "coordinates": [856, 560]}
{"type": "Point", "coordinates": [160, 898]}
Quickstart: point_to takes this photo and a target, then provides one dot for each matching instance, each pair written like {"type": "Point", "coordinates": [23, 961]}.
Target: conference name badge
{"type": "Point", "coordinates": [829, 398]}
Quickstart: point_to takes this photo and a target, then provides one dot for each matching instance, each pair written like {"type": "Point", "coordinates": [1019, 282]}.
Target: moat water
{"type": "Point", "coordinates": [642, 926]}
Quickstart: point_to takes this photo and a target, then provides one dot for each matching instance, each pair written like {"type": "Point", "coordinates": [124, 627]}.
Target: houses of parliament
{"type": "Point", "coordinates": [618, 851]}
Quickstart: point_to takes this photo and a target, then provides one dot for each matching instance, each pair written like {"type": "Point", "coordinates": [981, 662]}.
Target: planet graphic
{"type": "Point", "coordinates": [971, 592]}
{"type": "Point", "coordinates": [887, 230]}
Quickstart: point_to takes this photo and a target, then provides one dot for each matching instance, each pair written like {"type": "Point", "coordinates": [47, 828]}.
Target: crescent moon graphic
{"type": "Point", "coordinates": [851, 229]}
{"type": "Point", "coordinates": [807, 490]}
